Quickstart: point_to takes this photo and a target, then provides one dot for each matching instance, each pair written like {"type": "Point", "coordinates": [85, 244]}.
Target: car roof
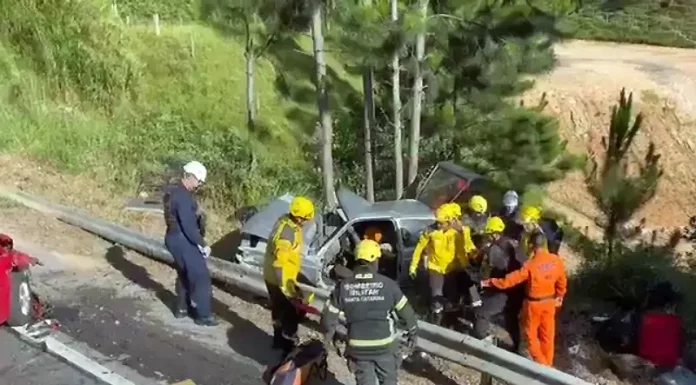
{"type": "Point", "coordinates": [459, 170]}
{"type": "Point", "coordinates": [355, 207]}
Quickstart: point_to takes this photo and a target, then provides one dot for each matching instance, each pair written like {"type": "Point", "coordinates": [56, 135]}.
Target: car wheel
{"type": "Point", "coordinates": [21, 300]}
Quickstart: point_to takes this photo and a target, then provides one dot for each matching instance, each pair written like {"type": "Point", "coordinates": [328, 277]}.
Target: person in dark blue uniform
{"type": "Point", "coordinates": [185, 242]}
{"type": "Point", "coordinates": [371, 303]}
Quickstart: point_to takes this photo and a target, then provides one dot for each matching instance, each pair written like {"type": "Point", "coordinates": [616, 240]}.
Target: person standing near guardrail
{"type": "Point", "coordinates": [438, 244]}
{"type": "Point", "coordinates": [546, 285]}
{"type": "Point", "coordinates": [369, 301]}
{"type": "Point", "coordinates": [499, 260]}
{"type": "Point", "coordinates": [282, 264]}
{"type": "Point", "coordinates": [185, 242]}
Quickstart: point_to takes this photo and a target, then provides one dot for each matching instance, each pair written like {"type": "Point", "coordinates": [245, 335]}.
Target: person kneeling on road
{"type": "Point", "coordinates": [499, 260]}
{"type": "Point", "coordinates": [185, 242]}
{"type": "Point", "coordinates": [438, 243]}
{"type": "Point", "coordinates": [546, 284]}
{"type": "Point", "coordinates": [282, 264]}
{"type": "Point", "coordinates": [369, 301]}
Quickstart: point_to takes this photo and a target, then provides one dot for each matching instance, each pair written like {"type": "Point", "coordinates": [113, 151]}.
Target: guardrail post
{"type": "Point", "coordinates": [487, 379]}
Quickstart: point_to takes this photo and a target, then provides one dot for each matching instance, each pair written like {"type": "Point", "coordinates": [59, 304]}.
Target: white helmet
{"type": "Point", "coordinates": [510, 199]}
{"type": "Point", "coordinates": [196, 169]}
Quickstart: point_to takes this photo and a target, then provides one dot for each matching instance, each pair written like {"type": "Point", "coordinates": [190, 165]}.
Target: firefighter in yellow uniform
{"type": "Point", "coordinates": [530, 217]}
{"type": "Point", "coordinates": [438, 244]}
{"type": "Point", "coordinates": [282, 264]}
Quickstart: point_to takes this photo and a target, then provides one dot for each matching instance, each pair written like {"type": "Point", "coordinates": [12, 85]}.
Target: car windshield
{"type": "Point", "coordinates": [442, 187]}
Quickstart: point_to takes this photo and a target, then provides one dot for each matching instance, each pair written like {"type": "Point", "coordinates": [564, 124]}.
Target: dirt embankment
{"type": "Point", "coordinates": [582, 91]}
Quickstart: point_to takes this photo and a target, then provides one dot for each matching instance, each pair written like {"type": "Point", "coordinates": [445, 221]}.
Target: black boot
{"type": "Point", "coordinates": [181, 313]}
{"type": "Point", "coordinates": [278, 339]}
{"type": "Point", "coordinates": [288, 346]}
{"type": "Point", "coordinates": [206, 321]}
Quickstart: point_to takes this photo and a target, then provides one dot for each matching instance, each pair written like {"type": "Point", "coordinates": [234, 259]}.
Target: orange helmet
{"type": "Point", "coordinates": [373, 233]}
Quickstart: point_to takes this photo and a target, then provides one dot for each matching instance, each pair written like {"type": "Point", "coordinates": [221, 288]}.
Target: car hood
{"type": "Point", "coordinates": [261, 224]}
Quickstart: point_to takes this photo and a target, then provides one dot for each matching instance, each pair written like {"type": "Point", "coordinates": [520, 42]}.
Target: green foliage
{"type": "Point", "coordinates": [77, 44]}
{"type": "Point", "coordinates": [618, 192]}
{"type": "Point", "coordinates": [185, 104]}
{"type": "Point", "coordinates": [515, 147]}
{"type": "Point", "coordinates": [171, 11]}
{"type": "Point", "coordinates": [624, 280]}
{"type": "Point", "coordinates": [665, 22]}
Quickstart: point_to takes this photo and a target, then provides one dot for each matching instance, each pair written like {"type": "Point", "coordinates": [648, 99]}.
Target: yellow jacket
{"type": "Point", "coordinates": [439, 247]}
{"type": "Point", "coordinates": [283, 258]}
{"type": "Point", "coordinates": [525, 248]}
{"type": "Point", "coordinates": [464, 246]}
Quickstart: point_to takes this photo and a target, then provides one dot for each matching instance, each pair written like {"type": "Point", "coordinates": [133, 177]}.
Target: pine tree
{"type": "Point", "coordinates": [621, 189]}
{"type": "Point", "coordinates": [482, 55]}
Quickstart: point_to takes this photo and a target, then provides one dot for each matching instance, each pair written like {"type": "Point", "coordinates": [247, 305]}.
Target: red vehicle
{"type": "Point", "coordinates": [16, 298]}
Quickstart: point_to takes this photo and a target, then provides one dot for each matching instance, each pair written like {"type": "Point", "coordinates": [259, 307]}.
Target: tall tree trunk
{"type": "Point", "coordinates": [323, 105]}
{"type": "Point", "coordinates": [250, 101]}
{"type": "Point", "coordinates": [417, 98]}
{"type": "Point", "coordinates": [396, 113]}
{"type": "Point", "coordinates": [368, 124]}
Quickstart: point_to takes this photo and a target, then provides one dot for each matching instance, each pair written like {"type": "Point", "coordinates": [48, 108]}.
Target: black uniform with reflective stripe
{"type": "Point", "coordinates": [502, 258]}
{"type": "Point", "coordinates": [370, 302]}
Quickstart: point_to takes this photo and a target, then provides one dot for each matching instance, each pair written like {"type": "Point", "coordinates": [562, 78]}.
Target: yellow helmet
{"type": "Point", "coordinates": [443, 214]}
{"type": "Point", "coordinates": [495, 225]}
{"type": "Point", "coordinates": [530, 214]}
{"type": "Point", "coordinates": [302, 208]}
{"type": "Point", "coordinates": [455, 210]}
{"type": "Point", "coordinates": [478, 204]}
{"type": "Point", "coordinates": [368, 250]}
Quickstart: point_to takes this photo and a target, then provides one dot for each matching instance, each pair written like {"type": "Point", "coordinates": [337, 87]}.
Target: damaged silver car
{"type": "Point", "coordinates": [331, 238]}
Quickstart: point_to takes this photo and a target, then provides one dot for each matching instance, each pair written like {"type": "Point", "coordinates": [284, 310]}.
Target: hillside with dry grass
{"type": "Point", "coordinates": [581, 92]}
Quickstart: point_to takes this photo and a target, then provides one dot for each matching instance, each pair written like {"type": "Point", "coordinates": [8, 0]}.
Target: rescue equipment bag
{"type": "Point", "coordinates": [306, 362]}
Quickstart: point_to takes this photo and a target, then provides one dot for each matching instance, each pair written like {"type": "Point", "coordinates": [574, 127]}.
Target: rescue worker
{"type": "Point", "coordinates": [546, 285]}
{"type": "Point", "coordinates": [477, 215]}
{"type": "Point", "coordinates": [282, 264]}
{"type": "Point", "coordinates": [499, 261]}
{"type": "Point", "coordinates": [529, 216]}
{"type": "Point", "coordinates": [465, 252]}
{"type": "Point", "coordinates": [510, 215]}
{"type": "Point", "coordinates": [369, 301]}
{"type": "Point", "coordinates": [438, 243]}
{"type": "Point", "coordinates": [185, 242]}
{"type": "Point", "coordinates": [474, 223]}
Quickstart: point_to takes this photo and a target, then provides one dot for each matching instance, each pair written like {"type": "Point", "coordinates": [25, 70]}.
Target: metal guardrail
{"type": "Point", "coordinates": [435, 340]}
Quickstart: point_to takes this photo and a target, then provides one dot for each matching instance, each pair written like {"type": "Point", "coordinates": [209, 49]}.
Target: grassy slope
{"type": "Point", "coordinates": [189, 102]}
{"type": "Point", "coordinates": [639, 21]}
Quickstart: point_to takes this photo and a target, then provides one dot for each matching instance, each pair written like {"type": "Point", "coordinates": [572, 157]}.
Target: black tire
{"type": "Point", "coordinates": [21, 300]}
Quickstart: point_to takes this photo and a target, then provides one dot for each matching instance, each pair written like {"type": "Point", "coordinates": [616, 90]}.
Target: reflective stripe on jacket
{"type": "Point", "coordinates": [370, 303]}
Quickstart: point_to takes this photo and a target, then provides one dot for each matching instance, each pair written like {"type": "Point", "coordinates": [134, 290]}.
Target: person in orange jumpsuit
{"type": "Point", "coordinates": [546, 284]}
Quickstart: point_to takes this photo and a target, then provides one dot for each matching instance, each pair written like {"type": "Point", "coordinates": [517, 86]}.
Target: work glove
{"type": "Point", "coordinates": [559, 301]}
{"type": "Point", "coordinates": [205, 250]}
{"type": "Point", "coordinates": [386, 248]}
{"type": "Point", "coordinates": [413, 274]}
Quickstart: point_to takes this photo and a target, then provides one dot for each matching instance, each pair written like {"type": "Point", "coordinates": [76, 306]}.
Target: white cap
{"type": "Point", "coordinates": [196, 169]}
{"type": "Point", "coordinates": [511, 199]}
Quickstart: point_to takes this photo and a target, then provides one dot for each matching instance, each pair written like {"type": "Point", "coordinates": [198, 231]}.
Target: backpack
{"type": "Point", "coordinates": [305, 362]}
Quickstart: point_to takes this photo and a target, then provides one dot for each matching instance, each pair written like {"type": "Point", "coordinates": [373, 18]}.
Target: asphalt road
{"type": "Point", "coordinates": [111, 326]}
{"type": "Point", "coordinates": [22, 364]}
